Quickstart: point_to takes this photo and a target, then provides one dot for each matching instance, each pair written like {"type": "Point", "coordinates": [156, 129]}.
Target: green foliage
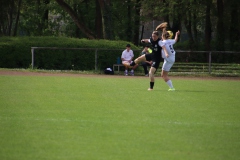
{"type": "Point", "coordinates": [16, 52]}
{"type": "Point", "coordinates": [120, 18]}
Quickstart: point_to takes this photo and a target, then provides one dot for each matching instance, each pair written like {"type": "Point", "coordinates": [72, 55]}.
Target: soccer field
{"type": "Point", "coordinates": [115, 118]}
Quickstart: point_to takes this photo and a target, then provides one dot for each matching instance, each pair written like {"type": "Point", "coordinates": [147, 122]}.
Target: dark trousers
{"type": "Point", "coordinates": [144, 64]}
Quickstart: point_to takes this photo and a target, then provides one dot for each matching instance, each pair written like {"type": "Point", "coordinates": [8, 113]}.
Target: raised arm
{"type": "Point", "coordinates": [176, 36]}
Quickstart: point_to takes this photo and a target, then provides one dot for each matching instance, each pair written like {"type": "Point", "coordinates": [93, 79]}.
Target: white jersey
{"type": "Point", "coordinates": [169, 47]}
{"type": "Point", "coordinates": [127, 55]}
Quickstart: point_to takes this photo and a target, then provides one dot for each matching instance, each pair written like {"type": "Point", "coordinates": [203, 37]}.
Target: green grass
{"type": "Point", "coordinates": [110, 118]}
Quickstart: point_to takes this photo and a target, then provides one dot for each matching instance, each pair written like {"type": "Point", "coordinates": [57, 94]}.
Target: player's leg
{"type": "Point", "coordinates": [142, 58]}
{"type": "Point", "coordinates": [152, 71]}
{"type": "Point", "coordinates": [165, 69]}
{"type": "Point", "coordinates": [167, 80]}
{"type": "Point", "coordinates": [164, 75]}
{"type": "Point", "coordinates": [151, 77]}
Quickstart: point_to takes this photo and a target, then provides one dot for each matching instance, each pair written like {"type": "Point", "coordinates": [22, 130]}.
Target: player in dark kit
{"type": "Point", "coordinates": [155, 57]}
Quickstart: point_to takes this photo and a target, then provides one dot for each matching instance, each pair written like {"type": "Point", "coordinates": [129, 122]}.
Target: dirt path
{"type": "Point", "coordinates": [30, 73]}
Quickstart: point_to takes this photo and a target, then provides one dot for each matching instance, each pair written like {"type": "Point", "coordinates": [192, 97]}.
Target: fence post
{"type": "Point", "coordinates": [32, 50]}
{"type": "Point", "coordinates": [96, 59]}
{"type": "Point", "coordinates": [209, 63]}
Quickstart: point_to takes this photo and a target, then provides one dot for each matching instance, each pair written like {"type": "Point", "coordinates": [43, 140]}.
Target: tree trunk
{"type": "Point", "coordinates": [101, 4]}
{"type": "Point", "coordinates": [45, 19]}
{"type": "Point", "coordinates": [234, 32]}
{"type": "Point", "coordinates": [45, 15]}
{"type": "Point", "coordinates": [188, 25]}
{"type": "Point", "coordinates": [10, 17]}
{"type": "Point", "coordinates": [166, 16]}
{"type": "Point", "coordinates": [195, 32]}
{"type": "Point", "coordinates": [106, 18]}
{"type": "Point", "coordinates": [137, 22]}
{"type": "Point", "coordinates": [177, 18]}
{"type": "Point", "coordinates": [220, 26]}
{"type": "Point", "coordinates": [17, 18]}
{"type": "Point", "coordinates": [75, 18]}
{"type": "Point", "coordinates": [98, 21]}
{"type": "Point", "coordinates": [208, 28]}
{"type": "Point", "coordinates": [39, 24]}
{"type": "Point", "coordinates": [129, 20]}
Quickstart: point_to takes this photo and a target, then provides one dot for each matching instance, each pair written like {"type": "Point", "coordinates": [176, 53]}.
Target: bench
{"type": "Point", "coordinates": [121, 65]}
{"type": "Point", "coordinates": [118, 66]}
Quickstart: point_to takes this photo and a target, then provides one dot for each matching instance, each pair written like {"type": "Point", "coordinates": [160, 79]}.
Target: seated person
{"type": "Point", "coordinates": [146, 50]}
{"type": "Point", "coordinates": [127, 56]}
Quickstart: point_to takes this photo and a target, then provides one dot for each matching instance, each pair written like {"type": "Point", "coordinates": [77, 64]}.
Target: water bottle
{"type": "Point", "coordinates": [118, 60]}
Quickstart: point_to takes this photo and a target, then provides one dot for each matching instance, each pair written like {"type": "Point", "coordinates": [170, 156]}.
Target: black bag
{"type": "Point", "coordinates": [109, 70]}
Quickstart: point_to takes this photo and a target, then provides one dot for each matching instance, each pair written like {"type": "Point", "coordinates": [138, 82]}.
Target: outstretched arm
{"type": "Point", "coordinates": [176, 36]}
{"type": "Point", "coordinates": [145, 40]}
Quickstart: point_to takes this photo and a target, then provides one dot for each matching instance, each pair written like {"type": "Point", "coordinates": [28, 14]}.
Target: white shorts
{"type": "Point", "coordinates": [167, 65]}
{"type": "Point", "coordinates": [126, 63]}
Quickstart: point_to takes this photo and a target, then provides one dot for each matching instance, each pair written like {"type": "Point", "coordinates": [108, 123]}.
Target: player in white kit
{"type": "Point", "coordinates": [168, 55]}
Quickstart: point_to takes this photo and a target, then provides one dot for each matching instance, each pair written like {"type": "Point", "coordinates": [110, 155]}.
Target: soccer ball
{"type": "Point", "coordinates": [170, 34]}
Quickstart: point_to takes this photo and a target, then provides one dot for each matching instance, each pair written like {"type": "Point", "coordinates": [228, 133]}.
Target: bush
{"type": "Point", "coordinates": [15, 52]}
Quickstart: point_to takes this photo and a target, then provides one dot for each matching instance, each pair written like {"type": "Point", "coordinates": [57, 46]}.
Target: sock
{"type": "Point", "coordinates": [169, 83]}
{"type": "Point", "coordinates": [151, 85]}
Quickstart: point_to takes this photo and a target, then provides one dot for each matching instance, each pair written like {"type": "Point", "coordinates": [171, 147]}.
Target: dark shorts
{"type": "Point", "coordinates": [156, 62]}
{"type": "Point", "coordinates": [148, 57]}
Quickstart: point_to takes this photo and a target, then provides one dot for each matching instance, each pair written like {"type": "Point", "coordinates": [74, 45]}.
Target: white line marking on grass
{"type": "Point", "coordinates": [3, 119]}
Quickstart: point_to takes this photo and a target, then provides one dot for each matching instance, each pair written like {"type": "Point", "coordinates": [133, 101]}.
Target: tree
{"type": "Point", "coordinates": [195, 22]}
{"type": "Point", "coordinates": [220, 26]}
{"type": "Point", "coordinates": [42, 13]}
{"type": "Point", "coordinates": [234, 30]}
{"type": "Point", "coordinates": [208, 28]}
{"type": "Point", "coordinates": [187, 19]}
{"type": "Point", "coordinates": [129, 19]}
{"type": "Point", "coordinates": [6, 16]}
{"type": "Point", "coordinates": [17, 19]}
{"type": "Point", "coordinates": [30, 18]}
{"type": "Point", "coordinates": [177, 16]}
{"type": "Point", "coordinates": [166, 10]}
{"type": "Point", "coordinates": [106, 14]}
{"type": "Point", "coordinates": [98, 20]}
{"type": "Point", "coordinates": [136, 22]}
{"type": "Point", "coordinates": [121, 20]}
{"type": "Point", "coordinates": [76, 20]}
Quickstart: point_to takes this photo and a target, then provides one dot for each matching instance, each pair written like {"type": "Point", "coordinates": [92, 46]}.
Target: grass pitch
{"type": "Point", "coordinates": [112, 118]}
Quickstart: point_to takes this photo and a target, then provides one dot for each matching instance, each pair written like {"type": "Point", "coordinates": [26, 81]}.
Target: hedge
{"type": "Point", "coordinates": [15, 52]}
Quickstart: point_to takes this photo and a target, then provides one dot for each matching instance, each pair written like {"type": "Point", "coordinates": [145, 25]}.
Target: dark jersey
{"type": "Point", "coordinates": [156, 50]}
{"type": "Point", "coordinates": [156, 55]}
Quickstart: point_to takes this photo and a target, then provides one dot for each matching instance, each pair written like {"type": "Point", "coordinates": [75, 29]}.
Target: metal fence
{"type": "Point", "coordinates": [120, 50]}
